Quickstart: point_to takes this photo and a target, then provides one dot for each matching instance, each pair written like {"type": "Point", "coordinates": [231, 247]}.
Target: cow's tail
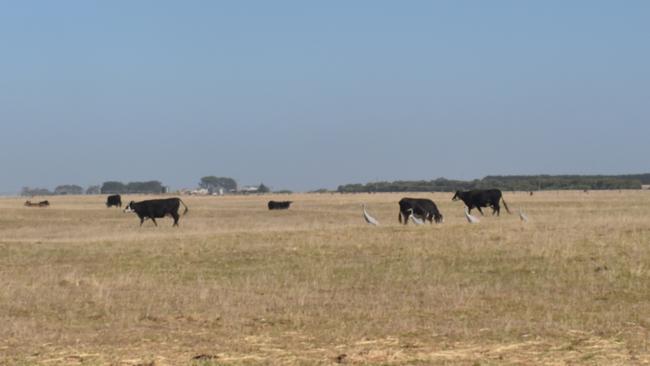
{"type": "Point", "coordinates": [184, 205]}
{"type": "Point", "coordinates": [505, 205]}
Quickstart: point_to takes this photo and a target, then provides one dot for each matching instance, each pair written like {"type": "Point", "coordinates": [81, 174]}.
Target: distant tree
{"type": "Point", "coordinates": [153, 186]}
{"type": "Point", "coordinates": [27, 191]}
{"type": "Point", "coordinates": [68, 189]}
{"type": "Point", "coordinates": [111, 187]}
{"type": "Point", "coordinates": [212, 183]}
{"type": "Point", "coordinates": [93, 190]}
{"type": "Point", "coordinates": [263, 189]}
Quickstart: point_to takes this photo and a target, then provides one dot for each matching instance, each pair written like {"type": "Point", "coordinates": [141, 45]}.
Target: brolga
{"type": "Point", "coordinates": [416, 220]}
{"type": "Point", "coordinates": [369, 219]}
{"type": "Point", "coordinates": [471, 219]}
{"type": "Point", "coordinates": [523, 216]}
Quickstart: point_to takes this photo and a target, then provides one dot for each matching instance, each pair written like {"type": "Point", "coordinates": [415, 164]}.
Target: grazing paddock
{"type": "Point", "coordinates": [239, 284]}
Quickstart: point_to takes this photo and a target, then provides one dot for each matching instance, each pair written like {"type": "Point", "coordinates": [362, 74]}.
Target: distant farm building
{"type": "Point", "coordinates": [249, 189]}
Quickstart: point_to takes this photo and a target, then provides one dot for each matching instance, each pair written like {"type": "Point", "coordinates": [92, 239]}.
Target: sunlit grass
{"type": "Point", "coordinates": [85, 284]}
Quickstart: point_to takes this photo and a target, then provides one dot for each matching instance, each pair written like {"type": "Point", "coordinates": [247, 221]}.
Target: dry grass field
{"type": "Point", "coordinates": [236, 284]}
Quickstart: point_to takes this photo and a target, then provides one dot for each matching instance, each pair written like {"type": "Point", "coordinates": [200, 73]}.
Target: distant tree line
{"type": "Point", "coordinates": [107, 187]}
{"type": "Point", "coordinates": [30, 191]}
{"type": "Point", "coordinates": [94, 190]}
{"type": "Point", "coordinates": [214, 184]}
{"type": "Point", "coordinates": [113, 187]}
{"type": "Point", "coordinates": [228, 185]}
{"type": "Point", "coordinates": [211, 183]}
{"type": "Point", "coordinates": [506, 183]}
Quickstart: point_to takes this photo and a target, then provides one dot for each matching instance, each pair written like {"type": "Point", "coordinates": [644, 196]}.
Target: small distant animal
{"type": "Point", "coordinates": [279, 205]}
{"type": "Point", "coordinates": [369, 219]}
{"type": "Point", "coordinates": [45, 203]}
{"type": "Point", "coordinates": [531, 193]}
{"type": "Point", "coordinates": [114, 200]}
{"type": "Point", "coordinates": [158, 208]}
{"type": "Point", "coordinates": [482, 198]}
{"type": "Point", "coordinates": [340, 358]}
{"type": "Point", "coordinates": [423, 208]}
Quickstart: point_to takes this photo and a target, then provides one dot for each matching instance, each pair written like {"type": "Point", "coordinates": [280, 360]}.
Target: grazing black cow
{"type": "Point", "coordinates": [152, 209]}
{"type": "Point", "coordinates": [482, 198]}
{"type": "Point", "coordinates": [114, 200]}
{"type": "Point", "coordinates": [419, 207]}
{"type": "Point", "coordinates": [279, 205]}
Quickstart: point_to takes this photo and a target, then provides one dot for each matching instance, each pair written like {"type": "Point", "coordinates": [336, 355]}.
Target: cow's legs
{"type": "Point", "coordinates": [479, 210]}
{"type": "Point", "coordinates": [406, 216]}
{"type": "Point", "coordinates": [175, 216]}
{"type": "Point", "coordinates": [154, 221]}
{"type": "Point", "coordinates": [141, 220]}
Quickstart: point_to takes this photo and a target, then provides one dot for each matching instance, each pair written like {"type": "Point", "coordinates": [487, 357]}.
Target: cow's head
{"type": "Point", "coordinates": [129, 207]}
{"type": "Point", "coordinates": [456, 196]}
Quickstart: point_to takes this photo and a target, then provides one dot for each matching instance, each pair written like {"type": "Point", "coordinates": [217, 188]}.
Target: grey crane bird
{"type": "Point", "coordinates": [523, 216]}
{"type": "Point", "coordinates": [416, 220]}
{"type": "Point", "coordinates": [471, 219]}
{"type": "Point", "coordinates": [369, 219]}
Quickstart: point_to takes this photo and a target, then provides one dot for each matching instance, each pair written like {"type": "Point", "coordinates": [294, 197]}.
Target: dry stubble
{"type": "Point", "coordinates": [238, 284]}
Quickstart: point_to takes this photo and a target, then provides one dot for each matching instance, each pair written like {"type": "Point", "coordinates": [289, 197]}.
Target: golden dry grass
{"type": "Point", "coordinates": [238, 284]}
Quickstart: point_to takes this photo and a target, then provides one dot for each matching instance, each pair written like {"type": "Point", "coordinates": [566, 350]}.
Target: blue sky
{"type": "Point", "coordinates": [304, 95]}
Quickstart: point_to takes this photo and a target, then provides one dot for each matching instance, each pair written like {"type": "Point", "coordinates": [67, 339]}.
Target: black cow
{"type": "Point", "coordinates": [153, 209]}
{"type": "Point", "coordinates": [45, 203]}
{"type": "Point", "coordinates": [279, 205]}
{"type": "Point", "coordinates": [114, 200]}
{"type": "Point", "coordinates": [420, 207]}
{"type": "Point", "coordinates": [482, 198]}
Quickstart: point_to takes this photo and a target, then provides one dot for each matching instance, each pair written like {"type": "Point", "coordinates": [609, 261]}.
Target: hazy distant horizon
{"type": "Point", "coordinates": [303, 96]}
{"type": "Point", "coordinates": [241, 185]}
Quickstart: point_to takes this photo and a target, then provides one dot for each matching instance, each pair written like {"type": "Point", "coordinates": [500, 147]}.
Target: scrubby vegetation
{"type": "Point", "coordinates": [507, 183]}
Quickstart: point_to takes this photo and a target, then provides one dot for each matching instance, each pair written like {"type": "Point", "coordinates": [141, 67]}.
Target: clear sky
{"type": "Point", "coordinates": [303, 94]}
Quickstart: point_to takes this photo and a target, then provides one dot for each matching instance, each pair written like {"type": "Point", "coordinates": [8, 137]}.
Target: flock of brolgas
{"type": "Point", "coordinates": [418, 210]}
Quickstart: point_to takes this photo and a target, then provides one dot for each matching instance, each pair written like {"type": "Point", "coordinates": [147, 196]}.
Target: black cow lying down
{"type": "Point", "coordinates": [279, 205]}
{"type": "Point", "coordinates": [482, 198]}
{"type": "Point", "coordinates": [419, 207]}
{"type": "Point", "coordinates": [153, 209]}
{"type": "Point", "coordinates": [114, 200]}
{"type": "Point", "coordinates": [45, 203]}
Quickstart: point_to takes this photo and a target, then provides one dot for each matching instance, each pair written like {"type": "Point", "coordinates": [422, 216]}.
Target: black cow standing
{"type": "Point", "coordinates": [153, 209]}
{"type": "Point", "coordinates": [114, 200]}
{"type": "Point", "coordinates": [482, 198]}
{"type": "Point", "coordinates": [419, 207]}
{"type": "Point", "coordinates": [279, 205]}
